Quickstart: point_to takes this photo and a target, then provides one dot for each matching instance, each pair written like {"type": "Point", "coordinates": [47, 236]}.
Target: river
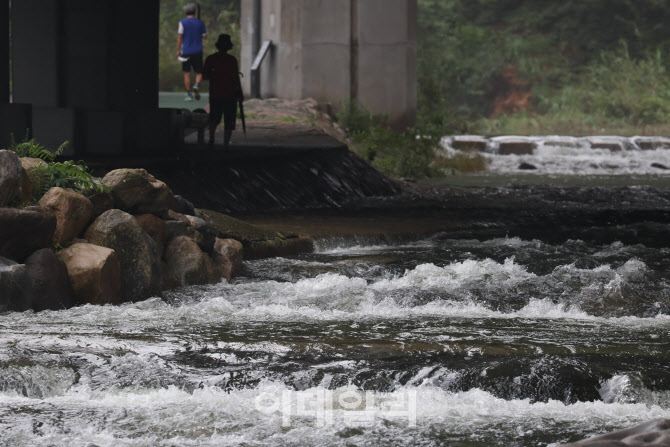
{"type": "Point", "coordinates": [475, 339]}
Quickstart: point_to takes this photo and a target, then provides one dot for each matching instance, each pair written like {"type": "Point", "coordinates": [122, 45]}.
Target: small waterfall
{"type": "Point", "coordinates": [521, 145]}
{"type": "Point", "coordinates": [565, 155]}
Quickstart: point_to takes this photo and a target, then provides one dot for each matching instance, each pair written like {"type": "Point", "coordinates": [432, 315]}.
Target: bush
{"type": "Point", "coordinates": [66, 174]}
{"type": "Point", "coordinates": [400, 154]}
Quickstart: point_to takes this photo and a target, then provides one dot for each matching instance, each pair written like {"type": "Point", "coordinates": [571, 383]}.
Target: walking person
{"type": "Point", "coordinates": [225, 90]}
{"type": "Point", "coordinates": [189, 49]}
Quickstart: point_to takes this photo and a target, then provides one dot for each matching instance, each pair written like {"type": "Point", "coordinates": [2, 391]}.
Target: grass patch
{"type": "Point", "coordinates": [290, 119]}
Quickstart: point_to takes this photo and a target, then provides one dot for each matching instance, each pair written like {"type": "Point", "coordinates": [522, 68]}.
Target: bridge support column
{"type": "Point", "coordinates": [337, 51]}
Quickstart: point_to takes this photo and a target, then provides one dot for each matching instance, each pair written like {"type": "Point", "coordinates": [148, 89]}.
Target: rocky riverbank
{"type": "Point", "coordinates": [127, 242]}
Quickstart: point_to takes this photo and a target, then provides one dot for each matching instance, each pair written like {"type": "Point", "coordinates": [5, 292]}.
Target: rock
{"type": "Point", "coordinates": [95, 273]}
{"type": "Point", "coordinates": [659, 166]}
{"type": "Point", "coordinates": [653, 433]}
{"type": "Point", "coordinates": [469, 143]}
{"type": "Point", "coordinates": [138, 192]}
{"type": "Point", "coordinates": [175, 228]}
{"type": "Point", "coordinates": [279, 247]}
{"type": "Point", "coordinates": [187, 264]}
{"type": "Point", "coordinates": [154, 226]}
{"type": "Point", "coordinates": [49, 284]}
{"type": "Point", "coordinates": [183, 206]}
{"type": "Point", "coordinates": [23, 232]}
{"type": "Point", "coordinates": [527, 166]}
{"type": "Point", "coordinates": [10, 176]}
{"type": "Point", "coordinates": [73, 212]}
{"type": "Point", "coordinates": [101, 201]}
{"type": "Point", "coordinates": [136, 251]}
{"type": "Point", "coordinates": [197, 223]}
{"type": "Point", "coordinates": [227, 256]}
{"type": "Point", "coordinates": [31, 181]}
{"type": "Point", "coordinates": [173, 215]}
{"type": "Point", "coordinates": [226, 227]}
{"type": "Point", "coordinates": [516, 147]}
{"type": "Point", "coordinates": [13, 285]}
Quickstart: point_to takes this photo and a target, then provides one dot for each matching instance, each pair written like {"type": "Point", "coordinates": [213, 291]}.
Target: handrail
{"type": "Point", "coordinates": [255, 69]}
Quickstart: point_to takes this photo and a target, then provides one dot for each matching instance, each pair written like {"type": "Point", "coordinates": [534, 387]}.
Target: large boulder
{"type": "Point", "coordinates": [22, 232]}
{"type": "Point", "coordinates": [154, 226]}
{"type": "Point", "coordinates": [10, 176]}
{"type": "Point", "coordinates": [31, 180]}
{"type": "Point", "coordinates": [95, 273]}
{"type": "Point", "coordinates": [49, 282]}
{"type": "Point", "coordinates": [227, 257]}
{"type": "Point", "coordinates": [39, 284]}
{"type": "Point", "coordinates": [187, 264]}
{"type": "Point", "coordinates": [73, 212]}
{"type": "Point", "coordinates": [138, 192]}
{"type": "Point", "coordinates": [137, 253]}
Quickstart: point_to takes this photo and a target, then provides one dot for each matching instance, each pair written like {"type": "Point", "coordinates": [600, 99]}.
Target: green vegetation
{"type": "Point", "coordinates": [575, 67]}
{"type": "Point", "coordinates": [401, 154]}
{"type": "Point", "coordinates": [64, 174]}
{"type": "Point", "coordinates": [220, 16]}
{"type": "Point", "coordinates": [541, 66]}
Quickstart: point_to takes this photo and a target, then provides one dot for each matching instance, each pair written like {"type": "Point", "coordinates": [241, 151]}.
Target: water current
{"type": "Point", "coordinates": [491, 341]}
{"type": "Point", "coordinates": [439, 342]}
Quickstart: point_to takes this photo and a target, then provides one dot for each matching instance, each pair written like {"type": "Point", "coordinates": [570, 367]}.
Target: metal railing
{"type": "Point", "coordinates": [255, 79]}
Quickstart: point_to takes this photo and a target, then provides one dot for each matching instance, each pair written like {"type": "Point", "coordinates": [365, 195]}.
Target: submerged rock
{"type": "Point", "coordinates": [73, 212]}
{"type": "Point", "coordinates": [95, 273]}
{"type": "Point", "coordinates": [138, 192]}
{"type": "Point", "coordinates": [137, 253]}
{"type": "Point", "coordinates": [527, 166]}
{"type": "Point", "coordinates": [10, 176]}
{"type": "Point", "coordinates": [22, 232]}
{"type": "Point", "coordinates": [653, 433]}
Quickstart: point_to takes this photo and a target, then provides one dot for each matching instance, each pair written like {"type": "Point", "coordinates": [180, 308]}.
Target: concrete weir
{"type": "Point", "coordinates": [279, 166]}
{"type": "Point", "coordinates": [262, 179]}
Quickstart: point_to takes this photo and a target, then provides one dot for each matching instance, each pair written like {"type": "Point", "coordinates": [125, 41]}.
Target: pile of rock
{"type": "Point", "coordinates": [125, 244]}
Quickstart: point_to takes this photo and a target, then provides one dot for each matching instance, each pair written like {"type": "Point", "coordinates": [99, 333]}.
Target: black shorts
{"type": "Point", "coordinates": [194, 61]}
{"type": "Point", "coordinates": [223, 107]}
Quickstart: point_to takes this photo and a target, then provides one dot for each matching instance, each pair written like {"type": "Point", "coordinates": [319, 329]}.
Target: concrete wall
{"type": "Point", "coordinates": [386, 71]}
{"type": "Point", "coordinates": [326, 44]}
{"type": "Point", "coordinates": [85, 67]}
{"type": "Point", "coordinates": [36, 52]}
{"type": "Point", "coordinates": [338, 50]}
{"type": "Point", "coordinates": [4, 52]}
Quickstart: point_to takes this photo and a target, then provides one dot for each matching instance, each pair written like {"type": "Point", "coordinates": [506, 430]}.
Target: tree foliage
{"type": "Point", "coordinates": [558, 50]}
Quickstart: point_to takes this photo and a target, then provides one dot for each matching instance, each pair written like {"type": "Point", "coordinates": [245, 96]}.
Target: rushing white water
{"type": "Point", "coordinates": [560, 155]}
{"type": "Point", "coordinates": [500, 342]}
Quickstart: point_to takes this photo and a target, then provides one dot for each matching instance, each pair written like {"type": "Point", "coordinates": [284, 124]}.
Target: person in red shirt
{"type": "Point", "coordinates": [225, 90]}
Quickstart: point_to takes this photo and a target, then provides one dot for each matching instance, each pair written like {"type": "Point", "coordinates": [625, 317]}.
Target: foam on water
{"type": "Point", "coordinates": [271, 413]}
{"type": "Point", "coordinates": [560, 155]}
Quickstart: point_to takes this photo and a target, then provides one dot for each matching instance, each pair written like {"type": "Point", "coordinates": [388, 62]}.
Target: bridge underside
{"type": "Point", "coordinates": [84, 72]}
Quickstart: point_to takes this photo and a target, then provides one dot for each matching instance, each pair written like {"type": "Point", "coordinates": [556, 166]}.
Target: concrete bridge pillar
{"type": "Point", "coordinates": [85, 72]}
{"type": "Point", "coordinates": [4, 53]}
{"type": "Point", "coordinates": [337, 51]}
